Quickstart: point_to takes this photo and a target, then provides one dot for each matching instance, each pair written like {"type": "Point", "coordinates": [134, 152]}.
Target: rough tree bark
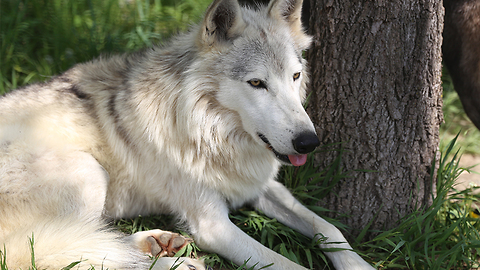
{"type": "Point", "coordinates": [376, 86]}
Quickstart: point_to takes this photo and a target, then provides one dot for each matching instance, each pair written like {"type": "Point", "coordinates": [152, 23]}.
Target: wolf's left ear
{"type": "Point", "coordinates": [290, 11]}
{"type": "Point", "coordinates": [223, 22]}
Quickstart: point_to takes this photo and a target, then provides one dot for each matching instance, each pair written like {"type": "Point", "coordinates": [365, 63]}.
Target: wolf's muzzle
{"type": "Point", "coordinates": [304, 143]}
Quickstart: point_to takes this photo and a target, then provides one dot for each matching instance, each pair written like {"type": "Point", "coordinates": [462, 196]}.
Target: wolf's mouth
{"type": "Point", "coordinates": [295, 160]}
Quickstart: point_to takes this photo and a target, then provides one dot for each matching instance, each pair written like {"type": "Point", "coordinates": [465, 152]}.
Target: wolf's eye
{"type": "Point", "coordinates": [296, 76]}
{"type": "Point", "coordinates": [257, 83]}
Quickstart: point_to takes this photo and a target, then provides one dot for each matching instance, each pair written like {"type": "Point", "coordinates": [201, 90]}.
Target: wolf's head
{"type": "Point", "coordinates": [263, 72]}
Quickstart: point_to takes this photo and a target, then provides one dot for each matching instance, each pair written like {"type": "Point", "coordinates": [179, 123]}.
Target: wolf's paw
{"type": "Point", "coordinates": [158, 243]}
{"type": "Point", "coordinates": [181, 263]}
{"type": "Point", "coordinates": [348, 260]}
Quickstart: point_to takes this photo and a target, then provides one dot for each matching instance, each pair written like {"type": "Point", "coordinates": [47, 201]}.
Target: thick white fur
{"type": "Point", "coordinates": [167, 130]}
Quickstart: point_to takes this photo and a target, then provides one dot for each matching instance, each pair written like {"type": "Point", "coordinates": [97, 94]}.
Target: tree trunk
{"type": "Point", "coordinates": [376, 87]}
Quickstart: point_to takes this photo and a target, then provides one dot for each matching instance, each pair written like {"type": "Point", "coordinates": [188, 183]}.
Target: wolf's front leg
{"type": "Point", "coordinates": [277, 202]}
{"type": "Point", "coordinates": [213, 231]}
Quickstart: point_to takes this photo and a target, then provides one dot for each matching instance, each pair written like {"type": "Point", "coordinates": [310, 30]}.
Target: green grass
{"type": "Point", "coordinates": [443, 236]}
{"type": "Point", "coordinates": [39, 39]}
{"type": "Point", "coordinates": [42, 38]}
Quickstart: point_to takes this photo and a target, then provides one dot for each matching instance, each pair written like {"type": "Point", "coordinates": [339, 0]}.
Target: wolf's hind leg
{"type": "Point", "coordinates": [38, 182]}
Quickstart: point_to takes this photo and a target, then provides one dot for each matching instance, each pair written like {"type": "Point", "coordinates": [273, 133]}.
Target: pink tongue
{"type": "Point", "coordinates": [297, 160]}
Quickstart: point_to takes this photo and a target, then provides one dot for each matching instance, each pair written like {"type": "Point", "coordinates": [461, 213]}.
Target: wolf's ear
{"type": "Point", "coordinates": [290, 11]}
{"type": "Point", "coordinates": [223, 22]}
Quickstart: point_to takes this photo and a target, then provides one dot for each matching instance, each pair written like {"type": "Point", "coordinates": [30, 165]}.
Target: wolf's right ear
{"type": "Point", "coordinates": [222, 22]}
{"type": "Point", "coordinates": [290, 11]}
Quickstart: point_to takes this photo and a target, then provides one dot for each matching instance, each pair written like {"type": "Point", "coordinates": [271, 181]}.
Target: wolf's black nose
{"type": "Point", "coordinates": [305, 142]}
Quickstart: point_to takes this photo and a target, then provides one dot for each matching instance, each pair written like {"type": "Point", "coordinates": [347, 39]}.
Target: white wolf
{"type": "Point", "coordinates": [195, 127]}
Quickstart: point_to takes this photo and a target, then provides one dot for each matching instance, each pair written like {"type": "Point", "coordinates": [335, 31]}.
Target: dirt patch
{"type": "Point", "coordinates": [468, 179]}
